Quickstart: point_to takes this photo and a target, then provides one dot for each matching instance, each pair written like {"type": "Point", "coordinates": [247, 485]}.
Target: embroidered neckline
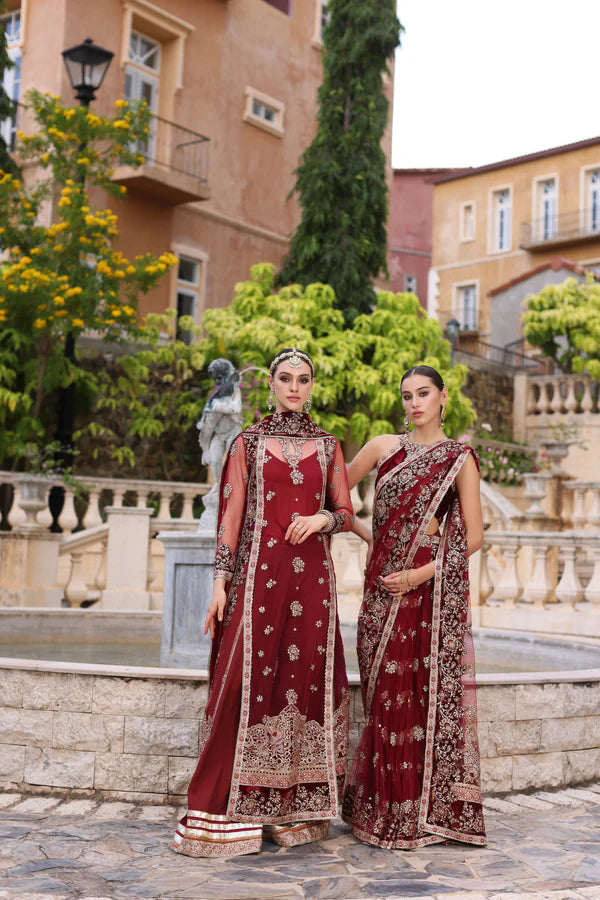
{"type": "Point", "coordinates": [297, 424]}
{"type": "Point", "coordinates": [292, 455]}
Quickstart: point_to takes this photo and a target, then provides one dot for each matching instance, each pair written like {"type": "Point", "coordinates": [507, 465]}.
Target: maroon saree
{"type": "Point", "coordinates": [273, 741]}
{"type": "Point", "coordinates": [415, 778]}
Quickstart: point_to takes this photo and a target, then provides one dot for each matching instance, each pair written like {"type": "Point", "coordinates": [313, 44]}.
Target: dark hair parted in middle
{"type": "Point", "coordinates": [427, 372]}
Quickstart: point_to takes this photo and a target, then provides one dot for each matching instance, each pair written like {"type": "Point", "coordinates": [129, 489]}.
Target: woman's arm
{"type": "Point", "coordinates": [467, 484]}
{"type": "Point", "coordinates": [232, 503]}
{"type": "Point", "coordinates": [368, 457]}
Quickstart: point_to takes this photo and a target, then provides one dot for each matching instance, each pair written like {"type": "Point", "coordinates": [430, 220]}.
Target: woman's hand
{"type": "Point", "coordinates": [397, 582]}
{"type": "Point", "coordinates": [303, 526]}
{"type": "Point", "coordinates": [369, 551]}
{"type": "Point", "coordinates": [216, 607]}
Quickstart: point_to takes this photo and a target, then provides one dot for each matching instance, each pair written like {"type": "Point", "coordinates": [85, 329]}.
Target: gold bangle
{"type": "Point", "coordinates": [408, 578]}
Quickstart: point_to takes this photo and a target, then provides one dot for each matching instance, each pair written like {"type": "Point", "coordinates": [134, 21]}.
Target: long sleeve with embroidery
{"type": "Point", "coordinates": [232, 504]}
{"type": "Point", "coordinates": [338, 494]}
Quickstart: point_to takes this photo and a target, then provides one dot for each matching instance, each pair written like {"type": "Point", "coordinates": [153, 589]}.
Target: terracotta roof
{"type": "Point", "coordinates": [556, 263]}
{"type": "Point", "coordinates": [516, 160]}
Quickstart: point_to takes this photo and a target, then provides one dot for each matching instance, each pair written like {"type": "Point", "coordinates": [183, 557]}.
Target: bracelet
{"type": "Point", "coordinates": [408, 578]}
{"type": "Point", "coordinates": [330, 520]}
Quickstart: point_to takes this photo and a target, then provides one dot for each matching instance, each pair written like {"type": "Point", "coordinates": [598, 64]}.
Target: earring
{"type": "Point", "coordinates": [406, 422]}
{"type": "Point", "coordinates": [442, 416]}
{"type": "Point", "coordinates": [271, 399]}
{"type": "Point", "coordinates": [308, 403]}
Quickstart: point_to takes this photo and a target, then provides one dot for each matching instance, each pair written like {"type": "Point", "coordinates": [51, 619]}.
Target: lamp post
{"type": "Point", "coordinates": [452, 330]}
{"type": "Point", "coordinates": [86, 66]}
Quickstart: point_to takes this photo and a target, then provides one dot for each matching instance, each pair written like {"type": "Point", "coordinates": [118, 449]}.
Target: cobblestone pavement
{"type": "Point", "coordinates": [544, 846]}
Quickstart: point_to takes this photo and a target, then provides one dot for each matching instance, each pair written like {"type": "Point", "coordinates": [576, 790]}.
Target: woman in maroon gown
{"type": "Point", "coordinates": [415, 778]}
{"type": "Point", "coordinates": [274, 737]}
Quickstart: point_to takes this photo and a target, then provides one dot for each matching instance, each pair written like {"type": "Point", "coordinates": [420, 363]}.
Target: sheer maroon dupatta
{"type": "Point", "coordinates": [414, 484]}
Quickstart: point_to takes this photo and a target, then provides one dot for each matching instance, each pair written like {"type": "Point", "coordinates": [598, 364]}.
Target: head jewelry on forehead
{"type": "Point", "coordinates": [295, 358]}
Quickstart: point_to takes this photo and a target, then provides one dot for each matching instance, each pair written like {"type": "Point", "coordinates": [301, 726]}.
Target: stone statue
{"type": "Point", "coordinates": [219, 423]}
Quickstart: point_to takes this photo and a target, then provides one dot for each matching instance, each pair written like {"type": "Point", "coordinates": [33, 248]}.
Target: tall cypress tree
{"type": "Point", "coordinates": [7, 107]}
{"type": "Point", "coordinates": [341, 179]}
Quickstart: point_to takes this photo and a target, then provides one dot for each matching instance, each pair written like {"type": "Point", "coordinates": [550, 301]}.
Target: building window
{"type": "Point", "coordinates": [545, 209]}
{"type": "Point", "coordinates": [188, 289]}
{"type": "Point", "coordinates": [264, 111]}
{"type": "Point", "coordinates": [142, 74]}
{"type": "Point", "coordinates": [11, 80]}
{"type": "Point", "coordinates": [467, 221]}
{"type": "Point", "coordinates": [322, 17]}
{"type": "Point", "coordinates": [593, 200]}
{"type": "Point", "coordinates": [284, 6]}
{"type": "Point", "coordinates": [501, 219]}
{"type": "Point", "coordinates": [410, 284]}
{"type": "Point", "coordinates": [465, 306]}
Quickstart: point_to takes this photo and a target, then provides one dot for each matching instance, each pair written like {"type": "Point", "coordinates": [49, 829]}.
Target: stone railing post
{"type": "Point", "coordinates": [592, 590]}
{"type": "Point", "coordinates": [127, 558]}
{"type": "Point", "coordinates": [509, 588]}
{"type": "Point", "coordinates": [538, 588]}
{"type": "Point", "coordinates": [76, 590]}
{"type": "Point", "coordinates": [568, 589]}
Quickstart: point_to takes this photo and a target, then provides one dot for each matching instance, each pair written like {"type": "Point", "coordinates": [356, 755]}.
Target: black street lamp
{"type": "Point", "coordinates": [86, 65]}
{"type": "Point", "coordinates": [453, 331]}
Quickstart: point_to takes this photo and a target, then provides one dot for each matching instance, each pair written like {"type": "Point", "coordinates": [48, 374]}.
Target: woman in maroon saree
{"type": "Point", "coordinates": [274, 737]}
{"type": "Point", "coordinates": [415, 779]}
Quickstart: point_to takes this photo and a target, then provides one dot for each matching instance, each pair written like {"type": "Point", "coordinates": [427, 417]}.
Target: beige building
{"type": "Point", "coordinates": [503, 230]}
{"type": "Point", "coordinates": [233, 86]}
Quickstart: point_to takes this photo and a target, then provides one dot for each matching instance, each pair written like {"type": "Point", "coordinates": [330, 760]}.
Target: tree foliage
{"type": "Point", "coordinates": [563, 320]}
{"type": "Point", "coordinates": [341, 179]}
{"type": "Point", "coordinates": [66, 277]}
{"type": "Point", "coordinates": [358, 369]}
{"type": "Point", "coordinates": [150, 401]}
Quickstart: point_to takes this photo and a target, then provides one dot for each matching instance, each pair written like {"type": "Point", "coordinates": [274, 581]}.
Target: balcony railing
{"type": "Point", "coordinates": [177, 148]}
{"type": "Point", "coordinates": [172, 152]}
{"type": "Point", "coordinates": [503, 357]}
{"type": "Point", "coordinates": [577, 226]}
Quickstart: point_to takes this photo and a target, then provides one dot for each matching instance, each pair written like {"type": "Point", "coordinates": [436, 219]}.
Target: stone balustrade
{"type": "Point", "coordinates": [132, 733]}
{"type": "Point", "coordinates": [556, 394]}
{"type": "Point", "coordinates": [541, 581]}
{"type": "Point", "coordinates": [584, 503]}
{"type": "Point", "coordinates": [86, 499]}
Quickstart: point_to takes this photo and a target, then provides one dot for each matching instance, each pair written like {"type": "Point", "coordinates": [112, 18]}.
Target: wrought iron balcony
{"type": "Point", "coordinates": [176, 167]}
{"type": "Point", "coordinates": [480, 355]}
{"type": "Point", "coordinates": [177, 158]}
{"type": "Point", "coordinates": [577, 227]}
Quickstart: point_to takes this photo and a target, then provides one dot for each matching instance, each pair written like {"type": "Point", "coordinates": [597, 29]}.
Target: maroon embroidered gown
{"type": "Point", "coordinates": [274, 737]}
{"type": "Point", "coordinates": [415, 778]}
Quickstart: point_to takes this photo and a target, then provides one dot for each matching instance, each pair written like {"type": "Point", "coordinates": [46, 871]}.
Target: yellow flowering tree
{"type": "Point", "coordinates": [64, 278]}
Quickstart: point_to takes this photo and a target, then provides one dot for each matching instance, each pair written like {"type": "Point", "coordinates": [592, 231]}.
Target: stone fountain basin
{"type": "Point", "coordinates": [124, 730]}
{"type": "Point", "coordinates": [133, 639]}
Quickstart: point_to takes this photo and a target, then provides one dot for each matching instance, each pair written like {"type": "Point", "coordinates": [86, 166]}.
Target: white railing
{"type": "Point", "coordinates": [555, 395]}
{"type": "Point", "coordinates": [540, 568]}
{"type": "Point", "coordinates": [83, 506]}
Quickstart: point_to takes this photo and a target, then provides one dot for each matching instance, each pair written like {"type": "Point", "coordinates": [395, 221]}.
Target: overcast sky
{"type": "Point", "coordinates": [478, 81]}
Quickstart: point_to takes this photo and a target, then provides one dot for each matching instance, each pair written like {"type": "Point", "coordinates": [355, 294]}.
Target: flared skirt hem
{"type": "Point", "coordinates": [436, 836]}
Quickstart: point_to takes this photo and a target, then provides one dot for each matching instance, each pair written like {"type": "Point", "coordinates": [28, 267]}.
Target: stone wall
{"type": "Point", "coordinates": [133, 734]}
{"type": "Point", "coordinates": [492, 396]}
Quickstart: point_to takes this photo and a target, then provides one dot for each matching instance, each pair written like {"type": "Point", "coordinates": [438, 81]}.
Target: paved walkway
{"type": "Point", "coordinates": [544, 846]}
